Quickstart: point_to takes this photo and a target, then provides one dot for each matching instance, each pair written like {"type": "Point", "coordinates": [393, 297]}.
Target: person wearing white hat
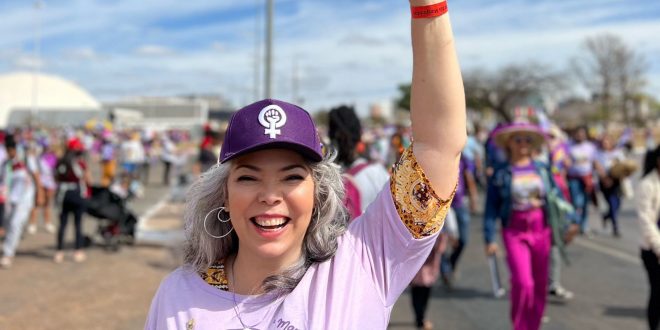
{"type": "Point", "coordinates": [518, 196]}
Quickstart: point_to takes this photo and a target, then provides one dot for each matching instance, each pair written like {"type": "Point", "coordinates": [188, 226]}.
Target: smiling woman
{"type": "Point", "coordinates": [268, 245]}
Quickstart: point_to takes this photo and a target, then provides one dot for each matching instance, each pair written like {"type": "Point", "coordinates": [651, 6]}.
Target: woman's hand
{"type": "Point", "coordinates": [491, 249]}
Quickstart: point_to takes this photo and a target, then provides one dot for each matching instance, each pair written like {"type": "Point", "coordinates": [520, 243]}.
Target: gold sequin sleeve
{"type": "Point", "coordinates": [422, 211]}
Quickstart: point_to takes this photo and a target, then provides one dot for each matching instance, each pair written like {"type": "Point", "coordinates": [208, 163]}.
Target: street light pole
{"type": "Point", "coordinates": [258, 41]}
{"type": "Point", "coordinates": [269, 49]}
{"type": "Point", "coordinates": [37, 62]}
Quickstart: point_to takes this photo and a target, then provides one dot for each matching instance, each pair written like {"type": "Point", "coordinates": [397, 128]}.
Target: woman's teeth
{"type": "Point", "coordinates": [270, 222]}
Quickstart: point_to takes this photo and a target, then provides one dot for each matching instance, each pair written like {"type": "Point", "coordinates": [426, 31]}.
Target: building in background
{"type": "Point", "coordinates": [28, 98]}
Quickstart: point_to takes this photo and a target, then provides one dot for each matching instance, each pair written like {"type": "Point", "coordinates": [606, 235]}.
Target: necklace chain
{"type": "Point", "coordinates": [233, 294]}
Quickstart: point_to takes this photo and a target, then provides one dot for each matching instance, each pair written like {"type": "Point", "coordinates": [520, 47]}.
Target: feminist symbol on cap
{"type": "Point", "coordinates": [272, 117]}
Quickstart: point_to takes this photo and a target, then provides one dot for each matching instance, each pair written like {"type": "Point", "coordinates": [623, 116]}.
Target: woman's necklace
{"type": "Point", "coordinates": [233, 294]}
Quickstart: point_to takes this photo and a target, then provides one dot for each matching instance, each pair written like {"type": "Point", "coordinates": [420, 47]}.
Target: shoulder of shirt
{"type": "Point", "coordinates": [650, 181]}
{"type": "Point", "coordinates": [181, 274]}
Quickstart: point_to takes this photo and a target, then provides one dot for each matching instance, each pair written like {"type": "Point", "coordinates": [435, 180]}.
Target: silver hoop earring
{"type": "Point", "coordinates": [219, 219]}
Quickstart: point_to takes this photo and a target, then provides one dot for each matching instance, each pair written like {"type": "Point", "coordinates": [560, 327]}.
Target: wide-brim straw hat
{"type": "Point", "coordinates": [504, 133]}
{"type": "Point", "coordinates": [623, 169]}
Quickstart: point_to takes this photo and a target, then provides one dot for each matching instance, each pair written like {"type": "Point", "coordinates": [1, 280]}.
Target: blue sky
{"type": "Point", "coordinates": [345, 51]}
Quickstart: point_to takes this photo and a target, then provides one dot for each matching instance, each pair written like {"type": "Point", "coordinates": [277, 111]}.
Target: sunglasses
{"type": "Point", "coordinates": [520, 139]}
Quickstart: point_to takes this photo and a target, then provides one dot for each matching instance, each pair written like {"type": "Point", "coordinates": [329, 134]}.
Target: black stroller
{"type": "Point", "coordinates": [116, 222]}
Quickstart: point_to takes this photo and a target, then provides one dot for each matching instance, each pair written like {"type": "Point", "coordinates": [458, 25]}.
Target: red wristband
{"type": "Point", "coordinates": [429, 11]}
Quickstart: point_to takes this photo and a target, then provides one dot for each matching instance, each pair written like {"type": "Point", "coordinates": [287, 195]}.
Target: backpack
{"type": "Point", "coordinates": [352, 199]}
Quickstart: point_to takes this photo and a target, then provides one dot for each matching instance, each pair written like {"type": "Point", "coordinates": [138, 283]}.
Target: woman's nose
{"type": "Point", "coordinates": [270, 194]}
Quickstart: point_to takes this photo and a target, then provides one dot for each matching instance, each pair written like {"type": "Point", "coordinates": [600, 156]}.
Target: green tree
{"type": "Point", "coordinates": [403, 101]}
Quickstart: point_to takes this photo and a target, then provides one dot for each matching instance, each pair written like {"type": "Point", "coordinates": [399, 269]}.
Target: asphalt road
{"type": "Point", "coordinates": [606, 275]}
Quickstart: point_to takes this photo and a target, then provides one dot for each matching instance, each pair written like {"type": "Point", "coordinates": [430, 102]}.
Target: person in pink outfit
{"type": "Point", "coordinates": [517, 195]}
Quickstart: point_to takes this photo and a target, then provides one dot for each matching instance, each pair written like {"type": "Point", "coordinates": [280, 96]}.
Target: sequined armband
{"type": "Point", "coordinates": [216, 276]}
{"type": "Point", "coordinates": [419, 207]}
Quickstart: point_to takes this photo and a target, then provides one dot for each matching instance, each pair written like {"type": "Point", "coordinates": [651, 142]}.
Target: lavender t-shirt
{"type": "Point", "coordinates": [376, 259]}
{"type": "Point", "coordinates": [583, 155]}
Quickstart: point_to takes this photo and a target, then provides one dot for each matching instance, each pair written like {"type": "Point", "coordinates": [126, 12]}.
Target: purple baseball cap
{"type": "Point", "coordinates": [271, 124]}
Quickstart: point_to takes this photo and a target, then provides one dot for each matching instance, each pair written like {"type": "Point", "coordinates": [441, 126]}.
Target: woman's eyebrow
{"type": "Point", "coordinates": [291, 167]}
{"type": "Point", "coordinates": [283, 169]}
{"type": "Point", "coordinates": [249, 167]}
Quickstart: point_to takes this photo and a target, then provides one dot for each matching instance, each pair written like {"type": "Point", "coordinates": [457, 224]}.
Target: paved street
{"type": "Point", "coordinates": [112, 290]}
{"type": "Point", "coordinates": [606, 275]}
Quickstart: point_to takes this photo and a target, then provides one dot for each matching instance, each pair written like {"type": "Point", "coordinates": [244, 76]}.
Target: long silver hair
{"type": "Point", "coordinates": [209, 192]}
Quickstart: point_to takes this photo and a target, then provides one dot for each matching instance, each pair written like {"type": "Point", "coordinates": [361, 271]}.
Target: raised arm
{"type": "Point", "coordinates": [437, 101]}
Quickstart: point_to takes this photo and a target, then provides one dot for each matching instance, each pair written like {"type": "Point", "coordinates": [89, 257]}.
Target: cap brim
{"type": "Point", "coordinates": [305, 151]}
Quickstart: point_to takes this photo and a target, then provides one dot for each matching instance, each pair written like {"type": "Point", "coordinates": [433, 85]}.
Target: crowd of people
{"type": "Point", "coordinates": [45, 170]}
{"type": "Point", "coordinates": [538, 181]}
{"type": "Point", "coordinates": [521, 168]}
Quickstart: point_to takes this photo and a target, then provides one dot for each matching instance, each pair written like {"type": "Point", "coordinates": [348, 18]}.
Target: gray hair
{"type": "Point", "coordinates": [209, 192]}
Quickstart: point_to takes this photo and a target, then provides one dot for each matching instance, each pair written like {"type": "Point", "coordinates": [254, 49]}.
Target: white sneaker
{"type": "Point", "coordinates": [5, 262]}
{"type": "Point", "coordinates": [32, 229]}
{"type": "Point", "coordinates": [50, 228]}
{"type": "Point", "coordinates": [562, 293]}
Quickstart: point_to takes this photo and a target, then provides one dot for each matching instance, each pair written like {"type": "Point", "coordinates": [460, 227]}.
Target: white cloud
{"type": "Point", "coordinates": [154, 50]}
{"type": "Point", "coordinates": [82, 53]}
{"type": "Point", "coordinates": [346, 54]}
{"type": "Point", "coordinates": [28, 62]}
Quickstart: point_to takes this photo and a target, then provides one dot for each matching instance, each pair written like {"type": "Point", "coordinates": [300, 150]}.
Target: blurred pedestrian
{"type": "Point", "coordinates": [584, 156]}
{"type": "Point", "coordinates": [132, 155]}
{"type": "Point", "coordinates": [267, 232]}
{"type": "Point", "coordinates": [648, 212]}
{"type": "Point", "coordinates": [146, 139]}
{"type": "Point", "coordinates": [108, 159]}
{"type": "Point", "coordinates": [422, 283]}
{"type": "Point", "coordinates": [609, 155]}
{"type": "Point", "coordinates": [560, 161]}
{"type": "Point", "coordinates": [473, 155]}
{"type": "Point", "coordinates": [495, 156]}
{"type": "Point", "coordinates": [43, 166]}
{"type": "Point", "coordinates": [4, 174]}
{"type": "Point", "coordinates": [19, 202]}
{"type": "Point", "coordinates": [208, 152]}
{"type": "Point", "coordinates": [517, 195]}
{"type": "Point", "coordinates": [167, 156]}
{"type": "Point", "coordinates": [72, 192]}
{"type": "Point", "coordinates": [362, 180]}
{"type": "Point", "coordinates": [464, 203]}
